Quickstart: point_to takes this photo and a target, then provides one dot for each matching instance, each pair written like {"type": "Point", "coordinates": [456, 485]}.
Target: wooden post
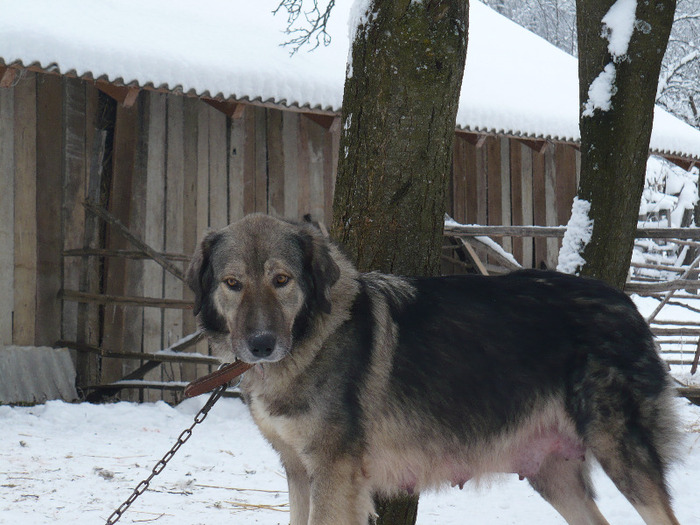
{"type": "Point", "coordinates": [49, 143]}
{"type": "Point", "coordinates": [25, 286]}
{"type": "Point", "coordinates": [7, 213]}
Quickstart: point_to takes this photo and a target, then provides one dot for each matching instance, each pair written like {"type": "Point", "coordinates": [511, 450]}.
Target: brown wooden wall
{"type": "Point", "coordinates": [508, 181]}
{"type": "Point", "coordinates": [168, 168]}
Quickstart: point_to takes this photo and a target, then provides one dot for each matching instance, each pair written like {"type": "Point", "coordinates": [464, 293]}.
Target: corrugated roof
{"type": "Point", "coordinates": [515, 82]}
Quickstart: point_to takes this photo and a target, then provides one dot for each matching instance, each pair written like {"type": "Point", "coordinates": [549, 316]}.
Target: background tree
{"type": "Point", "coordinates": [621, 45]}
{"type": "Point", "coordinates": [399, 109]}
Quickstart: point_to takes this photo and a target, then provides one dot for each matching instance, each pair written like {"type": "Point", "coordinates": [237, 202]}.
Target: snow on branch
{"type": "Point", "coordinates": [578, 234]}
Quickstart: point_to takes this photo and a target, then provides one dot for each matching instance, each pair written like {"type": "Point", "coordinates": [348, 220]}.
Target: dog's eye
{"type": "Point", "coordinates": [281, 280]}
{"type": "Point", "coordinates": [233, 284]}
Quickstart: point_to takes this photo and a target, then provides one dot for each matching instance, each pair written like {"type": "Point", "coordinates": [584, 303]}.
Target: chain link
{"type": "Point", "coordinates": [158, 468]}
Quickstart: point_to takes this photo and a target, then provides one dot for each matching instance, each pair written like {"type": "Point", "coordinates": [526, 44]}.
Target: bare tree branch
{"type": "Point", "coordinates": [312, 30]}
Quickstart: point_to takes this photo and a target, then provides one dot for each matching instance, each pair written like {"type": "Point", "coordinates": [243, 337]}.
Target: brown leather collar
{"type": "Point", "coordinates": [220, 377]}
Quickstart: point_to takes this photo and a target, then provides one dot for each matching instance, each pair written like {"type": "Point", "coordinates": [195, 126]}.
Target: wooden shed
{"type": "Point", "coordinates": [106, 185]}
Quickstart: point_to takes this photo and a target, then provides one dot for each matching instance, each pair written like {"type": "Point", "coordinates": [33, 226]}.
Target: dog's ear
{"type": "Point", "coordinates": [199, 274]}
{"type": "Point", "coordinates": [322, 268]}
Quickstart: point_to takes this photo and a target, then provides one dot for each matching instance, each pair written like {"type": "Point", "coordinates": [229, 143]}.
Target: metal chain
{"type": "Point", "coordinates": [184, 436]}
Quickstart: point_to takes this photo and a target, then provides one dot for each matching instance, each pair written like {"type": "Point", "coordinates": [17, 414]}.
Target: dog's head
{"type": "Point", "coordinates": [259, 282]}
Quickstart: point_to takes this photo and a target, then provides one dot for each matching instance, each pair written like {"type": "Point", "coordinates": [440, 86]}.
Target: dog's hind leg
{"type": "Point", "coordinates": [566, 485]}
{"type": "Point", "coordinates": [638, 475]}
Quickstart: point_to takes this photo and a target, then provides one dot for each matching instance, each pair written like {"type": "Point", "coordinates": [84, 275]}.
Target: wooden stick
{"type": "Point", "coordinates": [127, 254]}
{"type": "Point", "coordinates": [153, 254]}
{"type": "Point", "coordinates": [154, 302]}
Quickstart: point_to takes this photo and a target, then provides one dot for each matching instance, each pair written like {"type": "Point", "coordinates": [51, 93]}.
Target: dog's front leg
{"type": "Point", "coordinates": [340, 494]}
{"type": "Point", "coordinates": [299, 490]}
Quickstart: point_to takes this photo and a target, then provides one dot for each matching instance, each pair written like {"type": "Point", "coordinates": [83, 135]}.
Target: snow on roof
{"type": "Point", "coordinates": [515, 82]}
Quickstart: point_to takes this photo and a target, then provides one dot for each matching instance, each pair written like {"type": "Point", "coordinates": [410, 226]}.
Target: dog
{"type": "Point", "coordinates": [367, 383]}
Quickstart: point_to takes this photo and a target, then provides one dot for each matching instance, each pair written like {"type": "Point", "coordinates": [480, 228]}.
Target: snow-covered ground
{"type": "Point", "coordinates": [64, 463]}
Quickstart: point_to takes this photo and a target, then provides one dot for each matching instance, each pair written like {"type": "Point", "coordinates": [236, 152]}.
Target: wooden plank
{"type": "Point", "coordinates": [218, 171]}
{"type": "Point", "coordinates": [470, 180]}
{"type": "Point", "coordinates": [516, 195]}
{"type": "Point", "coordinates": [538, 205]}
{"type": "Point", "coordinates": [481, 186]}
{"type": "Point", "coordinates": [128, 300]}
{"type": "Point", "coordinates": [459, 181]}
{"type": "Point", "coordinates": [120, 200]}
{"type": "Point", "coordinates": [565, 162]}
{"type": "Point", "coordinates": [506, 213]}
{"type": "Point", "coordinates": [174, 223]}
{"type": "Point", "coordinates": [249, 167]}
{"type": "Point", "coordinates": [260, 160]}
{"type": "Point", "coordinates": [89, 320]}
{"type": "Point", "coordinates": [492, 150]}
{"type": "Point", "coordinates": [191, 201]}
{"type": "Point", "coordinates": [236, 168]}
{"type": "Point", "coordinates": [25, 286]}
{"type": "Point", "coordinates": [202, 170]}
{"type": "Point", "coordinates": [331, 166]}
{"type": "Point", "coordinates": [7, 76]}
{"type": "Point", "coordinates": [154, 234]}
{"type": "Point", "coordinates": [551, 218]}
{"type": "Point", "coordinates": [75, 175]}
{"type": "Point", "coordinates": [526, 200]}
{"type": "Point", "coordinates": [275, 149]}
{"type": "Point", "coordinates": [48, 206]}
{"type": "Point", "coordinates": [290, 146]}
{"type": "Point", "coordinates": [7, 214]}
{"type": "Point", "coordinates": [134, 268]}
{"type": "Point", "coordinates": [304, 175]}
{"type": "Point", "coordinates": [316, 140]}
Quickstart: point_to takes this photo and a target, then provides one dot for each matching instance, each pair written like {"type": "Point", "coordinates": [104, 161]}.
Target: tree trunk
{"type": "Point", "coordinates": [615, 141]}
{"type": "Point", "coordinates": [399, 110]}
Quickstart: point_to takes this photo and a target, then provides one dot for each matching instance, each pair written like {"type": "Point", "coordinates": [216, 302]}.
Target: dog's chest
{"type": "Point", "coordinates": [293, 431]}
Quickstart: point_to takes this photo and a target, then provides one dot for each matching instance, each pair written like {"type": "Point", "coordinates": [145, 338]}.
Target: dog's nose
{"type": "Point", "coordinates": [262, 344]}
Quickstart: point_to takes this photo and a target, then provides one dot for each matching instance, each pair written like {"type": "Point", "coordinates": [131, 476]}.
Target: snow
{"type": "Point", "coordinates": [75, 463]}
{"type": "Point", "coordinates": [515, 82]}
{"type": "Point", "coordinates": [618, 25]}
{"type": "Point", "coordinates": [578, 234]}
{"type": "Point", "coordinates": [601, 91]}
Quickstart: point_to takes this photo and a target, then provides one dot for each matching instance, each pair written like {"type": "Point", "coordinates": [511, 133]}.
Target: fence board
{"type": "Point", "coordinates": [218, 170]}
{"type": "Point", "coordinates": [75, 154]}
{"type": "Point", "coordinates": [48, 207]}
{"type": "Point", "coordinates": [154, 220]}
{"type": "Point", "coordinates": [7, 213]}
{"type": "Point", "coordinates": [120, 199]}
{"type": "Point", "coordinates": [516, 195]}
{"type": "Point", "coordinates": [260, 172]}
{"type": "Point", "coordinates": [459, 180]}
{"type": "Point", "coordinates": [249, 186]}
{"type": "Point", "coordinates": [290, 147]}
{"type": "Point", "coordinates": [275, 165]}
{"type": "Point", "coordinates": [550, 194]}
{"type": "Point", "coordinates": [237, 167]}
{"type": "Point", "coordinates": [191, 227]}
{"type": "Point", "coordinates": [506, 214]}
{"type": "Point", "coordinates": [315, 145]}
{"type": "Point", "coordinates": [303, 173]}
{"type": "Point", "coordinates": [538, 204]}
{"type": "Point", "coordinates": [565, 159]}
{"type": "Point", "coordinates": [527, 204]}
{"type": "Point", "coordinates": [25, 285]}
{"type": "Point", "coordinates": [174, 224]}
{"type": "Point", "coordinates": [471, 180]}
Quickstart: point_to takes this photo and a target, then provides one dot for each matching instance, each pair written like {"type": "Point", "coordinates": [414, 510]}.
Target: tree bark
{"type": "Point", "coordinates": [615, 142]}
{"type": "Point", "coordinates": [399, 110]}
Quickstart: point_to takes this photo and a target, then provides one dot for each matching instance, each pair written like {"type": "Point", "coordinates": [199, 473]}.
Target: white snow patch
{"type": "Point", "coordinates": [577, 236]}
{"type": "Point", "coordinates": [618, 26]}
{"type": "Point", "coordinates": [601, 91]}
